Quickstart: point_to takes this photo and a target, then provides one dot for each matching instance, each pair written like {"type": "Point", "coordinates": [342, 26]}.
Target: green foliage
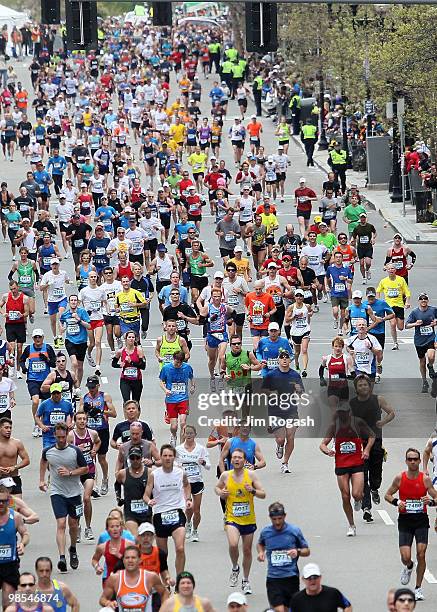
{"type": "Point", "coordinates": [114, 9]}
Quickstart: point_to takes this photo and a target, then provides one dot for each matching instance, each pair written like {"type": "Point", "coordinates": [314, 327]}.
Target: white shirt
{"type": "Point", "coordinates": [56, 285]}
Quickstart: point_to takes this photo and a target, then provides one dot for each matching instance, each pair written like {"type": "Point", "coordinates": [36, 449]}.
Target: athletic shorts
{"type": "Point", "coordinates": [213, 342]}
{"type": "Point", "coordinates": [194, 218]}
{"type": "Point", "coordinates": [28, 291]}
{"type": "Point", "coordinates": [280, 176]}
{"type": "Point", "coordinates": [226, 252]}
{"type": "Point", "coordinates": [298, 339]}
{"type": "Point", "coordinates": [127, 326]}
{"type": "Point", "coordinates": [399, 312]}
{"type": "Point", "coordinates": [237, 318]}
{"type": "Point", "coordinates": [258, 332]}
{"type": "Point", "coordinates": [63, 226]}
{"type": "Point", "coordinates": [67, 506]}
{"type": "Point", "coordinates": [16, 332]}
{"type": "Point", "coordinates": [89, 476]}
{"type": "Point", "coordinates": [10, 573]}
{"type": "Point", "coordinates": [175, 409]}
{"type": "Point", "coordinates": [363, 252]}
{"type": "Point", "coordinates": [198, 282]}
{"type": "Point", "coordinates": [167, 522]}
{"type": "Point", "coordinates": [380, 338]}
{"type": "Point", "coordinates": [165, 220]}
{"type": "Point", "coordinates": [355, 469]}
{"type": "Point", "coordinates": [306, 214]}
{"type": "Point", "coordinates": [53, 307]}
{"type": "Point", "coordinates": [340, 392]}
{"type": "Point", "coordinates": [243, 529]}
{"type": "Point", "coordinates": [342, 302]}
{"type": "Point", "coordinates": [281, 590]}
{"type": "Point", "coordinates": [17, 489]}
{"type": "Point", "coordinates": [417, 530]}
{"type": "Point", "coordinates": [422, 350]}
{"type": "Point", "coordinates": [258, 249]}
{"type": "Point", "coordinates": [96, 323]}
{"type": "Point", "coordinates": [78, 350]}
{"type": "Point", "coordinates": [197, 488]}
{"type": "Point", "coordinates": [34, 388]}
{"type": "Point", "coordinates": [111, 320]}
{"type": "Point", "coordinates": [238, 143]}
{"type": "Point", "coordinates": [104, 438]}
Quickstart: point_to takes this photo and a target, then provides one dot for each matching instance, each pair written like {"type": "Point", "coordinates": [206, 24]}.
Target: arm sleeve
{"type": "Point", "coordinates": [52, 357]}
{"type": "Point", "coordinates": [24, 355]}
{"type": "Point", "coordinates": [413, 256]}
{"type": "Point", "coordinates": [116, 433]}
{"type": "Point", "coordinates": [163, 561]}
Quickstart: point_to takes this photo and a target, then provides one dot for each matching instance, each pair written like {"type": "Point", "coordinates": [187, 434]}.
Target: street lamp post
{"type": "Point", "coordinates": [323, 143]}
{"type": "Point", "coordinates": [396, 179]}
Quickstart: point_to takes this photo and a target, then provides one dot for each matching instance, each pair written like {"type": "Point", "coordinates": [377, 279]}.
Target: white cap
{"type": "Point", "coordinates": [7, 482]}
{"type": "Point", "coordinates": [37, 332]}
{"type": "Point", "coordinates": [253, 116]}
{"type": "Point", "coordinates": [311, 569]}
{"type": "Point", "coordinates": [272, 265]}
{"type": "Point", "coordinates": [146, 527]}
{"type": "Point", "coordinates": [128, 209]}
{"type": "Point", "coordinates": [54, 260]}
{"type": "Point", "coordinates": [238, 249]}
{"type": "Point", "coordinates": [273, 325]}
{"type": "Point", "coordinates": [357, 294]}
{"type": "Point", "coordinates": [237, 598]}
{"type": "Point", "coordinates": [83, 185]}
{"type": "Point", "coordinates": [270, 158]}
{"type": "Point", "coordinates": [219, 274]}
{"type": "Point", "coordinates": [301, 180]}
{"type": "Point", "coordinates": [237, 118]}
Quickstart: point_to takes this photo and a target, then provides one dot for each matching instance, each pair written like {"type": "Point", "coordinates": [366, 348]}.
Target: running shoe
{"type": "Point", "coordinates": [377, 379]}
{"type": "Point", "coordinates": [367, 515]}
{"type": "Point", "coordinates": [62, 564]}
{"type": "Point", "coordinates": [279, 451]}
{"type": "Point", "coordinates": [19, 375]}
{"type": "Point", "coordinates": [368, 274]}
{"type": "Point", "coordinates": [143, 335]}
{"type": "Point", "coordinates": [35, 432]}
{"type": "Point", "coordinates": [188, 530]}
{"type": "Point", "coordinates": [98, 372]}
{"type": "Point", "coordinates": [173, 441]}
{"type": "Point", "coordinates": [95, 494]}
{"type": "Point", "coordinates": [32, 318]}
{"type": "Point", "coordinates": [246, 588]}
{"type": "Point", "coordinates": [304, 374]}
{"type": "Point", "coordinates": [61, 343]}
{"type": "Point", "coordinates": [340, 332]}
{"type": "Point", "coordinates": [233, 578]}
{"type": "Point", "coordinates": [335, 324]}
{"type": "Point", "coordinates": [194, 536]}
{"type": "Point", "coordinates": [395, 347]}
{"type": "Point", "coordinates": [74, 559]}
{"type": "Point", "coordinates": [284, 469]}
{"type": "Point", "coordinates": [425, 386]}
{"type": "Point", "coordinates": [104, 487]}
{"type": "Point", "coordinates": [67, 256]}
{"type": "Point", "coordinates": [56, 342]}
{"type": "Point", "coordinates": [316, 309]}
{"type": "Point", "coordinates": [406, 574]}
{"type": "Point", "coordinates": [431, 370]}
{"type": "Point", "coordinates": [90, 360]}
{"type": "Point", "coordinates": [324, 298]}
{"type": "Point", "coordinates": [88, 534]}
{"type": "Point", "coordinates": [418, 594]}
{"type": "Point", "coordinates": [357, 505]}
{"type": "Point", "coordinates": [351, 531]}
{"type": "Point", "coordinates": [375, 497]}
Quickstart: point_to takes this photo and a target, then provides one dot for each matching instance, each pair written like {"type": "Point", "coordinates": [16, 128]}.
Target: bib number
{"type": "Point", "coordinates": [339, 287]}
{"type": "Point", "coordinates": [348, 448]}
{"type": "Point", "coordinates": [425, 330]}
{"type": "Point", "coordinates": [279, 558]}
{"type": "Point", "coordinates": [413, 506]}
{"type": "Point", "coordinates": [241, 509]}
{"type": "Point", "coordinates": [257, 319]}
{"type": "Point", "coordinates": [139, 506]}
{"type": "Point", "coordinates": [177, 388]}
{"type": "Point", "coordinates": [192, 469]}
{"type": "Point", "coordinates": [170, 518]}
{"type": "Point", "coordinates": [131, 372]}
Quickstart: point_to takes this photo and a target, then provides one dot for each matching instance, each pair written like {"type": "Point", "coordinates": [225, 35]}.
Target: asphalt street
{"type": "Point", "coordinates": [363, 568]}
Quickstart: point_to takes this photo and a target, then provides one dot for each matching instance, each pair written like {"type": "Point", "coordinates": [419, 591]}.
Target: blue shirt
{"type": "Point", "coordinates": [43, 178]}
{"type": "Point", "coordinates": [57, 165]}
{"type": "Point", "coordinates": [269, 351]}
{"type": "Point", "coordinates": [425, 333]}
{"type": "Point", "coordinates": [182, 229]}
{"type": "Point", "coordinates": [76, 333]}
{"type": "Point", "coordinates": [357, 312]}
{"type": "Point", "coordinates": [276, 542]}
{"type": "Point", "coordinates": [380, 308]}
{"type": "Point", "coordinates": [52, 413]}
{"type": "Point", "coordinates": [338, 286]}
{"type": "Point", "coordinates": [176, 380]}
{"type": "Point", "coordinates": [98, 246]}
{"type": "Point", "coordinates": [164, 294]}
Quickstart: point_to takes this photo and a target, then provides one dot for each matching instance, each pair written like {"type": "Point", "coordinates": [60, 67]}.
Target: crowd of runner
{"type": "Point", "coordinates": [123, 174]}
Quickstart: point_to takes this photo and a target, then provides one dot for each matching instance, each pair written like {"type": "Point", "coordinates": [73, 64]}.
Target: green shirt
{"type": "Point", "coordinates": [26, 275]}
{"type": "Point", "coordinates": [233, 368]}
{"type": "Point", "coordinates": [237, 71]}
{"type": "Point", "coordinates": [328, 239]}
{"type": "Point", "coordinates": [227, 67]}
{"type": "Point", "coordinates": [352, 214]}
{"type": "Point", "coordinates": [231, 53]}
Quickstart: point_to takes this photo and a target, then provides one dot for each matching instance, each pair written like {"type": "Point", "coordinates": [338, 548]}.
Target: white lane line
{"type": "Point", "coordinates": [385, 517]}
{"type": "Point", "coordinates": [104, 345]}
{"type": "Point", "coordinates": [407, 340]}
{"type": "Point", "coordinates": [104, 380]}
{"type": "Point", "coordinates": [430, 578]}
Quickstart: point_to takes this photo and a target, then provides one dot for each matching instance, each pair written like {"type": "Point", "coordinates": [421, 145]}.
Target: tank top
{"type": "Point", "coordinates": [164, 267]}
{"type": "Point", "coordinates": [150, 561]}
{"type": "Point", "coordinates": [134, 598]}
{"type": "Point", "coordinates": [239, 504]}
{"type": "Point", "coordinates": [8, 539]}
{"type": "Point", "coordinates": [134, 488]}
{"type": "Point", "coordinates": [410, 491]}
{"type": "Point", "coordinates": [46, 253]}
{"type": "Point", "coordinates": [300, 325]}
{"type": "Point", "coordinates": [336, 372]}
{"type": "Point", "coordinates": [83, 276]}
{"type": "Point", "coordinates": [169, 493]}
{"type": "Point", "coordinates": [191, 136]}
{"type": "Point", "coordinates": [274, 288]}
{"type": "Point", "coordinates": [348, 448]}
{"type": "Point", "coordinates": [233, 367]}
{"type": "Point", "coordinates": [259, 236]}
{"type": "Point", "coordinates": [58, 601]}
{"type": "Point", "coordinates": [246, 209]}
{"type": "Point", "coordinates": [168, 349]}
{"type": "Point", "coordinates": [85, 444]}
{"type": "Point", "coordinates": [217, 320]}
{"type": "Point", "coordinates": [369, 410]}
{"type": "Point", "coordinates": [100, 421]}
{"type": "Point", "coordinates": [248, 446]}
{"type": "Point", "coordinates": [131, 371]}
{"type": "Point", "coordinates": [196, 607]}
{"type": "Point", "coordinates": [111, 560]}
{"type": "Point", "coordinates": [26, 275]}
{"type": "Point", "coordinates": [195, 265]}
{"type": "Point", "coordinates": [125, 271]}
{"type": "Point", "coordinates": [15, 309]}
{"type": "Point", "coordinates": [67, 385]}
{"type": "Point", "coordinates": [38, 369]}
{"type": "Point", "coordinates": [348, 255]}
{"type": "Point", "coordinates": [399, 260]}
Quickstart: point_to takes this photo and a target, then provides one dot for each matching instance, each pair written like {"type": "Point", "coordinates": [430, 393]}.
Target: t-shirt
{"type": "Point", "coordinates": [70, 457]}
{"type": "Point", "coordinates": [171, 312]}
{"type": "Point", "coordinates": [122, 430]}
{"type": "Point", "coordinates": [258, 306]}
{"type": "Point", "coordinates": [164, 294]}
{"type": "Point", "coordinates": [328, 600]}
{"type": "Point", "coordinates": [303, 195]}
{"type": "Point", "coordinates": [75, 332]}
{"type": "Point", "coordinates": [380, 309]}
{"type": "Point", "coordinates": [328, 239]}
{"type": "Point", "coordinates": [424, 333]}
{"type": "Point", "coordinates": [363, 234]}
{"type": "Point", "coordinates": [127, 312]}
{"type": "Point", "coordinates": [269, 351]}
{"type": "Point", "coordinates": [352, 214]}
{"type": "Point", "coordinates": [338, 286]}
{"type": "Point", "coordinates": [228, 240]}
{"type": "Point", "coordinates": [394, 291]}
{"type": "Point", "coordinates": [51, 413]}
{"type": "Point", "coordinates": [176, 380]}
{"type": "Point", "coordinates": [276, 543]}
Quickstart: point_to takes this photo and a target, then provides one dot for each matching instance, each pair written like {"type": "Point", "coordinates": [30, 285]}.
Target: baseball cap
{"type": "Point", "coordinates": [128, 209]}
{"type": "Point", "coordinates": [323, 223]}
{"type": "Point", "coordinates": [7, 482]}
{"type": "Point", "coordinates": [146, 528]}
{"type": "Point", "coordinates": [92, 382]}
{"type": "Point", "coordinates": [37, 332]}
{"type": "Point", "coordinates": [317, 219]}
{"type": "Point", "coordinates": [397, 235]}
{"type": "Point", "coordinates": [286, 257]}
{"type": "Point", "coordinates": [237, 598]}
{"type": "Point", "coordinates": [357, 294]}
{"type": "Point", "coordinates": [272, 265]}
{"type": "Point", "coordinates": [219, 274]}
{"type": "Point", "coordinates": [311, 569]}
{"type": "Point", "coordinates": [299, 292]}
{"type": "Point", "coordinates": [363, 214]}
{"type": "Point", "coordinates": [84, 184]}
{"type": "Point", "coordinates": [370, 292]}
{"type": "Point", "coordinates": [423, 296]}
{"type": "Point", "coordinates": [253, 116]}
{"type": "Point", "coordinates": [191, 188]}
{"type": "Point", "coordinates": [135, 451]}
{"type": "Point", "coordinates": [56, 388]}
{"type": "Point", "coordinates": [162, 248]}
{"type": "Point", "coordinates": [301, 180]}
{"type": "Point", "coordinates": [273, 325]}
{"type": "Point", "coordinates": [54, 260]}
{"type": "Point", "coordinates": [238, 249]}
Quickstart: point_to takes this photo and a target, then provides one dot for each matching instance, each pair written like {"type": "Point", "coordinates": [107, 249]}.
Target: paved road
{"type": "Point", "coordinates": [364, 567]}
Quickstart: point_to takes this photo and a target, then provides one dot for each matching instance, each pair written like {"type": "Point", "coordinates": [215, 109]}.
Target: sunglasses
{"type": "Point", "coordinates": [405, 599]}
{"type": "Point", "coordinates": [284, 356]}
{"type": "Point", "coordinates": [4, 501]}
{"type": "Point", "coordinates": [27, 584]}
{"type": "Point", "coordinates": [60, 360]}
{"type": "Point", "coordinates": [314, 577]}
{"type": "Point", "coordinates": [235, 343]}
{"type": "Point", "coordinates": [413, 458]}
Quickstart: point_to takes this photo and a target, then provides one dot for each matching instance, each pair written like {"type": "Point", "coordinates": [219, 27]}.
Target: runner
{"type": "Point", "coordinates": [363, 238]}
{"type": "Point", "coordinates": [259, 308]}
{"type": "Point", "coordinates": [11, 449]}
{"type": "Point", "coordinates": [339, 366]}
{"type": "Point", "coordinates": [174, 378]}
{"type": "Point", "coordinates": [75, 320]}
{"type": "Point", "coordinates": [297, 322]}
{"type": "Point", "coordinates": [134, 480]}
{"type": "Point", "coordinates": [382, 313]}
{"type": "Point", "coordinates": [396, 293]}
{"type": "Point", "coordinates": [16, 309]}
{"type": "Point", "coordinates": [424, 319]}
{"type": "Point", "coordinates": [216, 312]}
{"type": "Point", "coordinates": [339, 282]}
{"type": "Point", "coordinates": [184, 597]}
{"type": "Point", "coordinates": [398, 255]}
{"type": "Point", "coordinates": [55, 281]}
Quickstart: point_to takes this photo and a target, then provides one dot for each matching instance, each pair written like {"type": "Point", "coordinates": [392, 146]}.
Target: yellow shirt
{"type": "Point", "coordinates": [197, 161]}
{"type": "Point", "coordinates": [242, 265]}
{"type": "Point", "coordinates": [177, 132]}
{"type": "Point", "coordinates": [239, 504]}
{"type": "Point", "coordinates": [127, 312]}
{"type": "Point", "coordinates": [270, 221]}
{"type": "Point", "coordinates": [87, 119]}
{"type": "Point", "coordinates": [395, 291]}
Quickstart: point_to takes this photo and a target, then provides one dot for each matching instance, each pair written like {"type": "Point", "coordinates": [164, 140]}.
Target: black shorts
{"type": "Point", "coordinates": [197, 175]}
{"type": "Point", "coordinates": [10, 573]}
{"type": "Point", "coordinates": [238, 143]}
{"type": "Point", "coordinates": [85, 477]}
{"type": "Point", "coordinates": [197, 488]}
{"type": "Point", "coordinates": [306, 214]}
{"type": "Point", "coordinates": [78, 350]}
{"type": "Point", "coordinates": [380, 338]}
{"type": "Point", "coordinates": [67, 506]}
{"type": "Point", "coordinates": [165, 220]}
{"type": "Point", "coordinates": [422, 350]}
{"type": "Point", "coordinates": [136, 258]}
{"type": "Point", "coordinates": [355, 469]}
{"type": "Point", "coordinates": [298, 339]}
{"type": "Point", "coordinates": [17, 489]}
{"type": "Point", "coordinates": [63, 227]}
{"type": "Point", "coordinates": [34, 388]}
{"type": "Point", "coordinates": [16, 332]}
{"type": "Point", "coordinates": [237, 318]}
{"type": "Point", "coordinates": [139, 519]}
{"type": "Point", "coordinates": [366, 251]}
{"type": "Point", "coordinates": [258, 249]}
{"type": "Point", "coordinates": [280, 176]}
{"type": "Point", "coordinates": [111, 320]}
{"type": "Point", "coordinates": [243, 102]}
{"type": "Point", "coordinates": [341, 392]}
{"type": "Point", "coordinates": [198, 282]}
{"type": "Point", "coordinates": [194, 218]}
{"type": "Point", "coordinates": [281, 590]}
{"type": "Point", "coordinates": [226, 252]}
{"type": "Point", "coordinates": [257, 187]}
{"type": "Point", "coordinates": [399, 312]}
{"type": "Point", "coordinates": [165, 531]}
{"type": "Point", "coordinates": [413, 530]}
{"type": "Point", "coordinates": [104, 438]}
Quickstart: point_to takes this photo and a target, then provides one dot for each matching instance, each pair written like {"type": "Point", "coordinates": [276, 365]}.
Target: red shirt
{"type": "Point", "coordinates": [410, 491]}
{"type": "Point", "coordinates": [260, 210]}
{"type": "Point", "coordinates": [184, 184]}
{"type": "Point", "coordinates": [303, 195]}
{"type": "Point", "coordinates": [176, 57]}
{"type": "Point", "coordinates": [290, 275]}
{"type": "Point", "coordinates": [211, 180]}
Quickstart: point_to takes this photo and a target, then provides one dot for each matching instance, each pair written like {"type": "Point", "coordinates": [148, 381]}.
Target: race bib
{"type": "Point", "coordinates": [348, 448]}
{"type": "Point", "coordinates": [58, 292]}
{"type": "Point", "coordinates": [254, 139]}
{"type": "Point", "coordinates": [413, 506]}
{"type": "Point", "coordinates": [192, 469]}
{"type": "Point", "coordinates": [25, 279]}
{"type": "Point", "coordinates": [95, 422]}
{"type": "Point", "coordinates": [335, 377]}
{"type": "Point", "coordinates": [14, 315]}
{"type": "Point", "coordinates": [95, 305]}
{"type": "Point", "coordinates": [241, 509]}
{"type": "Point", "coordinates": [277, 298]}
{"type": "Point", "coordinates": [398, 265]}
{"type": "Point", "coordinates": [102, 250]}
{"type": "Point", "coordinates": [3, 401]}
{"type": "Point", "coordinates": [362, 358]}
{"type": "Point", "coordinates": [57, 417]}
{"type": "Point", "coordinates": [229, 237]}
{"type": "Point", "coordinates": [131, 372]}
{"type": "Point", "coordinates": [257, 319]}
{"type": "Point", "coordinates": [78, 243]}
{"type": "Point", "coordinates": [233, 300]}
{"type": "Point", "coordinates": [192, 207]}
{"type": "Point", "coordinates": [279, 558]}
{"type": "Point", "coordinates": [73, 329]}
{"type": "Point", "coordinates": [217, 335]}
{"type": "Point", "coordinates": [301, 322]}
{"type": "Point", "coordinates": [339, 287]}
{"type": "Point", "coordinates": [178, 387]}
{"type": "Point", "coordinates": [425, 330]}
{"type": "Point", "coordinates": [5, 552]}
{"type": "Point", "coordinates": [180, 324]}
{"type": "Point", "coordinates": [38, 366]}
{"type": "Point", "coordinates": [170, 518]}
{"type": "Point", "coordinates": [364, 239]}
{"type": "Point", "coordinates": [393, 293]}
{"type": "Point", "coordinates": [126, 308]}
{"type": "Point", "coordinates": [78, 510]}
{"type": "Point", "coordinates": [139, 506]}
{"type": "Point", "coordinates": [272, 363]}
{"type": "Point", "coordinates": [307, 293]}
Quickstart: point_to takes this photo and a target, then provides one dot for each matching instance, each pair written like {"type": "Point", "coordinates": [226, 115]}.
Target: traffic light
{"type": "Point", "coordinates": [81, 22]}
{"type": "Point", "coordinates": [162, 13]}
{"type": "Point", "coordinates": [261, 27]}
{"type": "Point", "coordinates": [50, 12]}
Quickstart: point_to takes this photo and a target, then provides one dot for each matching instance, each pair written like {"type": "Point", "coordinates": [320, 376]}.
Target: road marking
{"type": "Point", "coordinates": [385, 517]}
{"type": "Point", "coordinates": [104, 380]}
{"type": "Point", "coordinates": [407, 340]}
{"type": "Point", "coordinates": [430, 578]}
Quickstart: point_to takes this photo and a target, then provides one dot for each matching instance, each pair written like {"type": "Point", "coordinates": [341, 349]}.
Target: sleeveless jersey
{"type": "Point", "coordinates": [8, 540]}
{"type": "Point", "coordinates": [26, 275]}
{"type": "Point", "coordinates": [131, 371]}
{"type": "Point", "coordinates": [348, 448]}
{"type": "Point", "coordinates": [300, 325]}
{"type": "Point", "coordinates": [133, 598]}
{"type": "Point", "coordinates": [399, 260]}
{"type": "Point", "coordinates": [411, 491]}
{"type": "Point", "coordinates": [67, 385]}
{"type": "Point", "coordinates": [85, 444]}
{"type": "Point", "coordinates": [274, 288]}
{"type": "Point", "coordinates": [336, 371]}
{"type": "Point", "coordinates": [196, 607]}
{"type": "Point", "coordinates": [168, 349]}
{"type": "Point", "coordinates": [100, 421]}
{"type": "Point", "coordinates": [15, 309]}
{"type": "Point", "coordinates": [239, 504]}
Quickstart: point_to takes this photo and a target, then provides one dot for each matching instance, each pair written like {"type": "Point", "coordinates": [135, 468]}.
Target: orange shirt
{"type": "Point", "coordinates": [254, 128]}
{"type": "Point", "coordinates": [21, 98]}
{"type": "Point", "coordinates": [258, 306]}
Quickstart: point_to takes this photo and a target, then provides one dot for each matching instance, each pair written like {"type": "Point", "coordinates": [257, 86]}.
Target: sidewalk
{"type": "Point", "coordinates": [421, 233]}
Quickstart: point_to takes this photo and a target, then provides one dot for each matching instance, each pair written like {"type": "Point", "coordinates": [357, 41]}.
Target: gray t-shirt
{"type": "Point", "coordinates": [228, 241]}
{"type": "Point", "coordinates": [70, 457]}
